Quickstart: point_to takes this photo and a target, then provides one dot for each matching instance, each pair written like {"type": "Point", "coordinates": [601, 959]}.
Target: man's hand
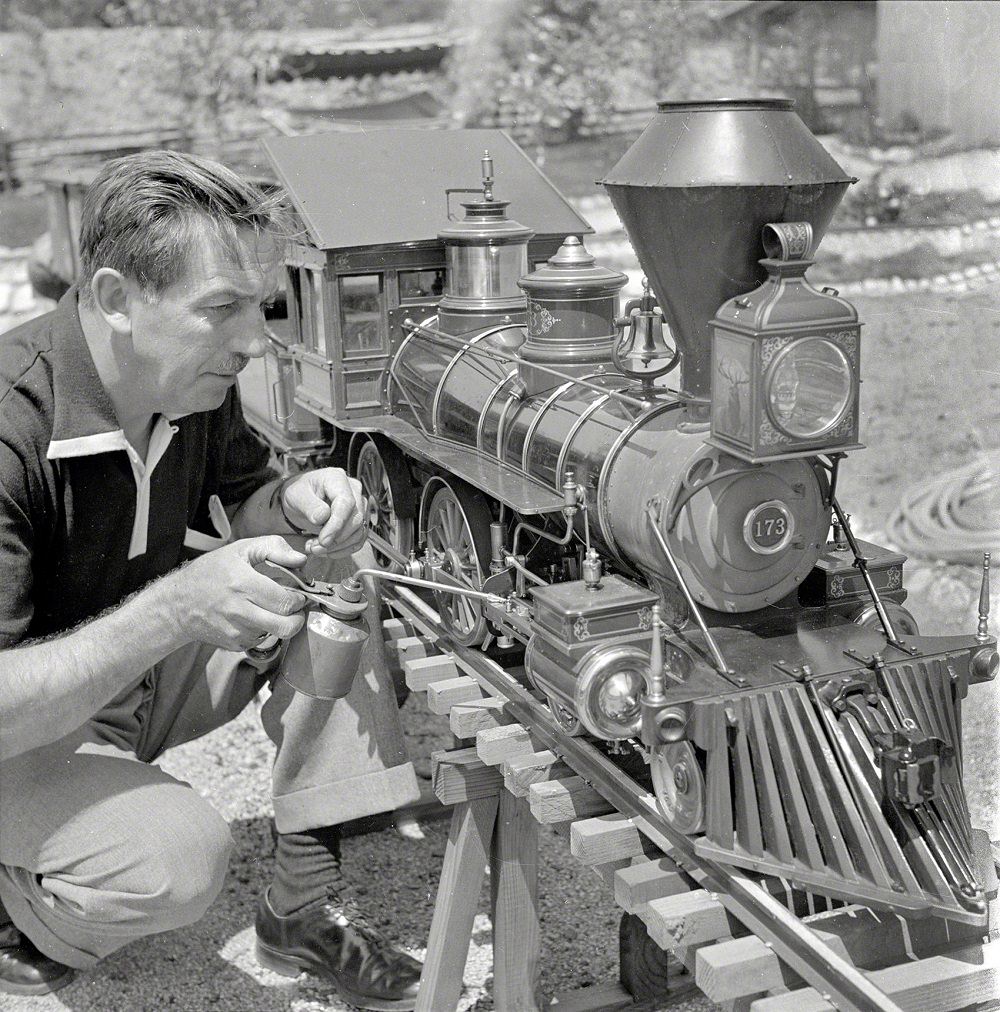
{"type": "Point", "coordinates": [330, 504]}
{"type": "Point", "coordinates": [220, 598]}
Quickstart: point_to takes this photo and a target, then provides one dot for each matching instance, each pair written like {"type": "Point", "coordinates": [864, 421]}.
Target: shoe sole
{"type": "Point", "coordinates": [6, 987]}
{"type": "Point", "coordinates": [291, 966]}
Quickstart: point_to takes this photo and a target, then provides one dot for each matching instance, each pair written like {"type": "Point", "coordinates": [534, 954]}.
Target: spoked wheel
{"type": "Point", "coordinates": [679, 785]}
{"type": "Point", "coordinates": [458, 524]}
{"type": "Point", "coordinates": [372, 470]}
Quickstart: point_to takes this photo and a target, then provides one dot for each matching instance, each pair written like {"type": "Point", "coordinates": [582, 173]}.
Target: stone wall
{"type": "Point", "coordinates": [83, 81]}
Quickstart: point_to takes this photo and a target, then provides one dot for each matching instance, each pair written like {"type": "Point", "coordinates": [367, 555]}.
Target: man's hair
{"type": "Point", "coordinates": [143, 212]}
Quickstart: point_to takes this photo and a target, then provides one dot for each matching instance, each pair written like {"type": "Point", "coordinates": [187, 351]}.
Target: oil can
{"type": "Point", "coordinates": [323, 658]}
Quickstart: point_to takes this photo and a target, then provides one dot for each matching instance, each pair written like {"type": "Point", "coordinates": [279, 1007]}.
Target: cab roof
{"type": "Point", "coordinates": [386, 186]}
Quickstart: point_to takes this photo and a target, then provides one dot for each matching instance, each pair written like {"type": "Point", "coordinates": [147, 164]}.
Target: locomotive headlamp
{"type": "Point", "coordinates": [785, 361]}
{"type": "Point", "coordinates": [609, 689]}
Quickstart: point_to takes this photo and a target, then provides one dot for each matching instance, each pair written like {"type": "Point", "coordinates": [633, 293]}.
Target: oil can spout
{"type": "Point", "coordinates": [694, 193]}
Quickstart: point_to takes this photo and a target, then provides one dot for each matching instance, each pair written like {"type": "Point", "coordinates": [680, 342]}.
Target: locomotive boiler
{"type": "Point", "coordinates": [637, 505]}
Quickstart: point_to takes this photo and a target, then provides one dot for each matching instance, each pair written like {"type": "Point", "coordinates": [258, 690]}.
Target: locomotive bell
{"type": "Point", "coordinates": [486, 253]}
{"type": "Point", "coordinates": [643, 342]}
{"type": "Point", "coordinates": [785, 360]}
{"type": "Point", "coordinates": [693, 193]}
{"type": "Point", "coordinates": [572, 306]}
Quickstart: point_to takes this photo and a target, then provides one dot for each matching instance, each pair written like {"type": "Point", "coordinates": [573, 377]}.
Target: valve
{"type": "Point", "coordinates": [592, 569]}
{"type": "Point", "coordinates": [572, 495]}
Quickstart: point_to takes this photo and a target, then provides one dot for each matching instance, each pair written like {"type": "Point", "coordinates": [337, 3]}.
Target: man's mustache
{"type": "Point", "coordinates": [235, 364]}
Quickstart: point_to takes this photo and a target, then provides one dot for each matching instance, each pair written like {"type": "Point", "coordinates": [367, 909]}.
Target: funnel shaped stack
{"type": "Point", "coordinates": [694, 192]}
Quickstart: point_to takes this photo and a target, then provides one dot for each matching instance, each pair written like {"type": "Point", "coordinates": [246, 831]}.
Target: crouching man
{"type": "Point", "coordinates": [123, 453]}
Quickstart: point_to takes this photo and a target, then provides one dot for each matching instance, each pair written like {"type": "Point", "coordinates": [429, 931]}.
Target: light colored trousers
{"type": "Point", "coordinates": [98, 847]}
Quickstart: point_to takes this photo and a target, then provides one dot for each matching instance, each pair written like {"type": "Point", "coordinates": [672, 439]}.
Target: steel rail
{"type": "Point", "coordinates": [795, 943]}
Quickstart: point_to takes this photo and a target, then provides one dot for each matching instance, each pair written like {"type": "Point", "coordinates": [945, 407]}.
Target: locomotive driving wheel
{"type": "Point", "coordinates": [679, 785]}
{"type": "Point", "coordinates": [372, 469]}
{"type": "Point", "coordinates": [458, 521]}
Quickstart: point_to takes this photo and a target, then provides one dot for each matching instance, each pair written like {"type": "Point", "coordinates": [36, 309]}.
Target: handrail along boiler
{"type": "Point", "coordinates": [643, 501]}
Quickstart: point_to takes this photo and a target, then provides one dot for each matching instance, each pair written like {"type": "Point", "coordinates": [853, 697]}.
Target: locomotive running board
{"type": "Point", "coordinates": [794, 790]}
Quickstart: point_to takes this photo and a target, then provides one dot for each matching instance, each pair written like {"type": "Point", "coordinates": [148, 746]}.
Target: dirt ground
{"type": "Point", "coordinates": [930, 402]}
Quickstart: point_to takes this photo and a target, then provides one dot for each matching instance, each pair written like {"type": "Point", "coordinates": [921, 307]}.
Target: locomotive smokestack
{"type": "Point", "coordinates": [694, 192]}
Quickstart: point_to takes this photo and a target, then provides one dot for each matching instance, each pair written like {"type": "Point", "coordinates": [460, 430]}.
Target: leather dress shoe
{"type": "Point", "coordinates": [362, 965]}
{"type": "Point", "coordinates": [25, 970]}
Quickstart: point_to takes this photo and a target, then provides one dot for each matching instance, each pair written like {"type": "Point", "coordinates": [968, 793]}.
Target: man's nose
{"type": "Point", "coordinates": [252, 339]}
{"type": "Point", "coordinates": [257, 345]}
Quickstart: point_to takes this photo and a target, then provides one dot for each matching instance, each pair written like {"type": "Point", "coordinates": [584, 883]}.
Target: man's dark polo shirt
{"type": "Point", "coordinates": [70, 495]}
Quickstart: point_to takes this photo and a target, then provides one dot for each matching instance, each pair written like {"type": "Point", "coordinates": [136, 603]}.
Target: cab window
{"type": "Point", "coordinates": [419, 286]}
{"type": "Point", "coordinates": [361, 313]}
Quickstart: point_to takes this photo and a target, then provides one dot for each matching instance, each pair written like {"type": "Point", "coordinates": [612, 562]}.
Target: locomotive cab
{"type": "Point", "coordinates": [369, 254]}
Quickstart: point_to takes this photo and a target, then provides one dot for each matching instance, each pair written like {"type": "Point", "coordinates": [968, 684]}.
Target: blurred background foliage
{"type": "Point", "coordinates": [551, 64]}
{"type": "Point", "coordinates": [541, 67]}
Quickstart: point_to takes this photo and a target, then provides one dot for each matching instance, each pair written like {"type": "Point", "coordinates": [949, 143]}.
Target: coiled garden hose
{"type": "Point", "coordinates": [954, 517]}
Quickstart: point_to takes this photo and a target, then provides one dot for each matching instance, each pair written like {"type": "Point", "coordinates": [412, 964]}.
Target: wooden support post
{"type": "Point", "coordinates": [462, 874]}
{"type": "Point", "coordinates": [488, 825]}
{"type": "Point", "coordinates": [514, 882]}
{"type": "Point", "coordinates": [645, 970]}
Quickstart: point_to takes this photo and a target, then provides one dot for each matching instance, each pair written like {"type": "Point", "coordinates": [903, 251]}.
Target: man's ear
{"type": "Point", "coordinates": [110, 290]}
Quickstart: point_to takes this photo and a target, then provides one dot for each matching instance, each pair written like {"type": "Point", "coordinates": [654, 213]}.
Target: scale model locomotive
{"type": "Point", "coordinates": [637, 506]}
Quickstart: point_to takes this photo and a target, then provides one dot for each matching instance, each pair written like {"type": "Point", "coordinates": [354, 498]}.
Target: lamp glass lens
{"type": "Point", "coordinates": [618, 696]}
{"type": "Point", "coordinates": [809, 388]}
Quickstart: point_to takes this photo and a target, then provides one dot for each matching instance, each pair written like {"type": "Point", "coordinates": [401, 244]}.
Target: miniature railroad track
{"type": "Point", "coordinates": [749, 942]}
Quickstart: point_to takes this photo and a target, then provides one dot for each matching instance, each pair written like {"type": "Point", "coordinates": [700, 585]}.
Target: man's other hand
{"type": "Point", "coordinates": [220, 598]}
{"type": "Point", "coordinates": [329, 503]}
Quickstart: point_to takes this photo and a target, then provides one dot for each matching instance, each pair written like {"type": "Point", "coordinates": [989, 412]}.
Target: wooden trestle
{"type": "Point", "coordinates": [506, 785]}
